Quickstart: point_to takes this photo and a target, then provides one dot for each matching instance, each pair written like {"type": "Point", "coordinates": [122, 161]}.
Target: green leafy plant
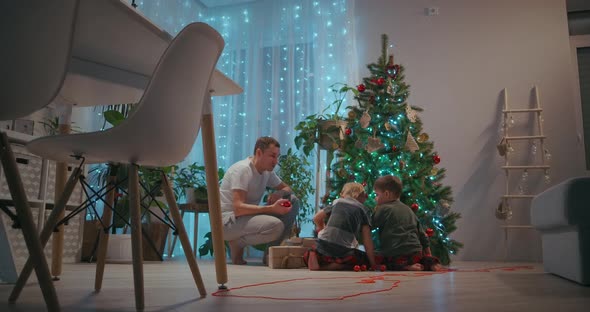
{"type": "Point", "coordinates": [193, 176]}
{"type": "Point", "coordinates": [324, 128]}
{"type": "Point", "coordinates": [295, 170]}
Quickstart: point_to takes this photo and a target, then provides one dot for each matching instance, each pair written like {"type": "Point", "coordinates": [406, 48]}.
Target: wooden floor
{"type": "Point", "coordinates": [169, 287]}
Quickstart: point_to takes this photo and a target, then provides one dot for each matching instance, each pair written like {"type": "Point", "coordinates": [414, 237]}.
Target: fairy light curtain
{"type": "Point", "coordinates": [284, 53]}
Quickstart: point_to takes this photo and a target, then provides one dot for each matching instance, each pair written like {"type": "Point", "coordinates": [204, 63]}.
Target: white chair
{"type": "Point", "coordinates": [160, 132]}
{"type": "Point", "coordinates": [30, 81]}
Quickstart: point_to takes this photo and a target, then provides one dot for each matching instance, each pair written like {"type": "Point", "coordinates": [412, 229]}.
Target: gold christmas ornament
{"type": "Point", "coordinates": [411, 144]}
{"type": "Point", "coordinates": [433, 171]}
{"type": "Point", "coordinates": [342, 173]}
{"type": "Point", "coordinates": [387, 126]}
{"type": "Point", "coordinates": [423, 137]}
{"type": "Point", "coordinates": [365, 120]}
{"type": "Point", "coordinates": [351, 114]}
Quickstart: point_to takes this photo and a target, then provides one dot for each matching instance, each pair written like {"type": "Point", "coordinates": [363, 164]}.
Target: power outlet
{"type": "Point", "coordinates": [432, 11]}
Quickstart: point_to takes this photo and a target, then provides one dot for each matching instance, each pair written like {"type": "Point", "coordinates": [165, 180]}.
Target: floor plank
{"type": "Point", "coordinates": [169, 287]}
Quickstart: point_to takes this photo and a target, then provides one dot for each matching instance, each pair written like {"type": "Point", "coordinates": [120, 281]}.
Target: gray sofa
{"type": "Point", "coordinates": [562, 215]}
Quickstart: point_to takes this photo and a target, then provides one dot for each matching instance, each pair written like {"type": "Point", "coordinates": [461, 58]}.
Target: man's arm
{"type": "Point", "coordinates": [241, 208]}
{"type": "Point", "coordinates": [283, 186]}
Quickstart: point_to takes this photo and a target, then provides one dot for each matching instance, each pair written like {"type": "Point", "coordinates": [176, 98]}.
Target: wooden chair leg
{"type": "Point", "coordinates": [212, 179]}
{"type": "Point", "coordinates": [136, 249]}
{"type": "Point", "coordinates": [46, 233]}
{"type": "Point", "coordinates": [175, 236]}
{"type": "Point", "coordinates": [25, 217]}
{"type": "Point", "coordinates": [186, 245]}
{"type": "Point", "coordinates": [103, 240]}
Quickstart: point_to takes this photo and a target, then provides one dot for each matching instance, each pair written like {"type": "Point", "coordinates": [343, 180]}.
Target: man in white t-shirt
{"type": "Point", "coordinates": [245, 221]}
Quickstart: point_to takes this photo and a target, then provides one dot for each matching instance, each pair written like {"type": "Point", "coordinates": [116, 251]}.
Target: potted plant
{"type": "Point", "coordinates": [295, 171]}
{"type": "Point", "coordinates": [191, 181]}
{"type": "Point", "coordinates": [325, 129]}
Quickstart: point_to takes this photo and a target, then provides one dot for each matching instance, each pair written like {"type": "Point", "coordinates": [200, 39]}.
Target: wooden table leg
{"type": "Point", "coordinates": [103, 241]}
{"type": "Point", "coordinates": [136, 249]}
{"type": "Point", "coordinates": [208, 136]}
{"type": "Point", "coordinates": [196, 233]}
{"type": "Point", "coordinates": [57, 247]}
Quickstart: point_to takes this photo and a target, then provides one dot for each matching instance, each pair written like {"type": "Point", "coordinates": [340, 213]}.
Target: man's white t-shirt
{"type": "Point", "coordinates": [244, 176]}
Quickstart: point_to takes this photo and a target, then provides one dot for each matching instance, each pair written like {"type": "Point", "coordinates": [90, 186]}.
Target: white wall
{"type": "Point", "coordinates": [457, 63]}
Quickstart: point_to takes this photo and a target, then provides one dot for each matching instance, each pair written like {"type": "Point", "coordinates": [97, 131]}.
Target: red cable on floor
{"type": "Point", "coordinates": [362, 280]}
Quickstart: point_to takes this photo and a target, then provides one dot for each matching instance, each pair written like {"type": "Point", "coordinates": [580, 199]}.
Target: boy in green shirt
{"type": "Point", "coordinates": [404, 246]}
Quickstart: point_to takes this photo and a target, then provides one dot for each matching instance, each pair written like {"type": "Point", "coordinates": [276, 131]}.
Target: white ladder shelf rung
{"type": "Point", "coordinates": [533, 167]}
{"type": "Point", "coordinates": [522, 110]}
{"type": "Point", "coordinates": [524, 137]}
{"type": "Point", "coordinates": [517, 227]}
{"type": "Point", "coordinates": [518, 196]}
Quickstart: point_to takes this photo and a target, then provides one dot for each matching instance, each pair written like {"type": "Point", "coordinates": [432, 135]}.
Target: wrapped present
{"type": "Point", "coordinates": [308, 242]}
{"type": "Point", "coordinates": [286, 257]}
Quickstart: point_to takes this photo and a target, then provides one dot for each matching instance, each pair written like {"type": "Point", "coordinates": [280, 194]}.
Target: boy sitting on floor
{"type": "Point", "coordinates": [336, 245]}
{"type": "Point", "coordinates": [404, 246]}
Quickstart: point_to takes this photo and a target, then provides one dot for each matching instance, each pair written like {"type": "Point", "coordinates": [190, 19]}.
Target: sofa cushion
{"type": "Point", "coordinates": [564, 204]}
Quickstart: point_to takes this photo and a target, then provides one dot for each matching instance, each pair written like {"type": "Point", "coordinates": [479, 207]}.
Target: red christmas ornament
{"type": "Point", "coordinates": [380, 81]}
{"type": "Point", "coordinates": [348, 131]}
{"type": "Point", "coordinates": [436, 159]}
{"type": "Point", "coordinates": [356, 268]}
{"type": "Point", "coordinates": [429, 232]}
{"type": "Point", "coordinates": [402, 165]}
{"type": "Point", "coordinates": [415, 207]}
{"type": "Point", "coordinates": [364, 183]}
{"type": "Point", "coordinates": [363, 267]}
{"type": "Point", "coordinates": [286, 204]}
{"type": "Point", "coordinates": [374, 81]}
{"type": "Point", "coordinates": [383, 268]}
{"type": "Point", "coordinates": [361, 87]}
{"type": "Point", "coordinates": [394, 148]}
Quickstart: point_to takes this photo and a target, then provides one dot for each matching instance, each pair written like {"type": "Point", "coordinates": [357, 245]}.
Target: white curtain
{"type": "Point", "coordinates": [284, 53]}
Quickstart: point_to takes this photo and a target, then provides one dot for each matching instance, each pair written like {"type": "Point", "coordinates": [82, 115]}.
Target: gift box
{"type": "Point", "coordinates": [286, 257]}
{"type": "Point", "coordinates": [308, 242]}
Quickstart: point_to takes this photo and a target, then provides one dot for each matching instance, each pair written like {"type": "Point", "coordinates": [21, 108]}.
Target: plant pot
{"type": "Point", "coordinates": [119, 249]}
{"type": "Point", "coordinates": [331, 132]}
{"type": "Point", "coordinates": [189, 195]}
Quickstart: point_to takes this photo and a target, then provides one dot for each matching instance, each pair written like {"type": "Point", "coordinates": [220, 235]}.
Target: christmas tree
{"type": "Point", "coordinates": [384, 136]}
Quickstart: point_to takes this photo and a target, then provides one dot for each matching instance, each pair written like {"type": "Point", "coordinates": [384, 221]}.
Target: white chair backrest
{"type": "Point", "coordinates": [165, 124]}
{"type": "Point", "coordinates": [36, 44]}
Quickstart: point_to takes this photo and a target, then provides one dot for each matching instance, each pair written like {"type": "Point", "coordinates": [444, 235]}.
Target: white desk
{"type": "Point", "coordinates": [114, 53]}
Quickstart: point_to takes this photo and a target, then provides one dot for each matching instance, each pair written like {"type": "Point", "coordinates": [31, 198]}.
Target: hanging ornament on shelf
{"type": "Point", "coordinates": [365, 119]}
{"type": "Point", "coordinates": [503, 212]}
{"type": "Point", "coordinates": [547, 155]}
{"type": "Point", "coordinates": [410, 113]}
{"type": "Point", "coordinates": [411, 144]}
{"type": "Point", "coordinates": [423, 137]}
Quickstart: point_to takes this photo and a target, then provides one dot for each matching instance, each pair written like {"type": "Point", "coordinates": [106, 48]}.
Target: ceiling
{"type": "Point", "coordinates": [572, 5]}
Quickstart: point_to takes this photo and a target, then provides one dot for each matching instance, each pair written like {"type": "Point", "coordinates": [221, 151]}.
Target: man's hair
{"type": "Point", "coordinates": [265, 142]}
{"type": "Point", "coordinates": [389, 183]}
{"type": "Point", "coordinates": [352, 189]}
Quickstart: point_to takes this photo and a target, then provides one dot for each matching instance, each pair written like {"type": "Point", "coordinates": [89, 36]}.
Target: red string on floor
{"type": "Point", "coordinates": [361, 280]}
